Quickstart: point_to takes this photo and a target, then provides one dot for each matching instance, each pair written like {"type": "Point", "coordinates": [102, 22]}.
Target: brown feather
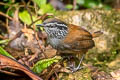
{"type": "Point", "coordinates": [78, 40]}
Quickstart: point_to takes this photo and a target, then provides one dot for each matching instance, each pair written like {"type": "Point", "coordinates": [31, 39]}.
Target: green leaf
{"type": "Point", "coordinates": [69, 6]}
{"type": "Point", "coordinates": [40, 3]}
{"type": "Point", "coordinates": [43, 64]}
{"type": "Point", "coordinates": [25, 17]}
{"type": "Point", "coordinates": [91, 3]}
{"type": "Point", "coordinates": [106, 7]}
{"type": "Point", "coordinates": [4, 41]}
{"type": "Point", "coordinates": [3, 52]}
{"type": "Point", "coordinates": [81, 2]}
{"type": "Point", "coordinates": [46, 9]}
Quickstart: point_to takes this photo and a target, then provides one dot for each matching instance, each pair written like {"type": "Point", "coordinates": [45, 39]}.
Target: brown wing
{"type": "Point", "coordinates": [78, 38]}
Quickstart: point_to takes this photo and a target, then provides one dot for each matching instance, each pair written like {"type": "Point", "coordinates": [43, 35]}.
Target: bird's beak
{"type": "Point", "coordinates": [40, 25]}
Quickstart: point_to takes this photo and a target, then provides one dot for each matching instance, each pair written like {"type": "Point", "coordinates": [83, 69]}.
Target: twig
{"type": "Point", "coordinates": [26, 6]}
{"type": "Point", "coordinates": [10, 73]}
{"type": "Point", "coordinates": [35, 6]}
{"type": "Point", "coordinates": [74, 4]}
{"type": "Point", "coordinates": [7, 20]}
{"type": "Point", "coordinates": [50, 73]}
{"type": "Point", "coordinates": [14, 17]}
{"type": "Point", "coordinates": [40, 18]}
{"type": "Point", "coordinates": [29, 11]}
{"type": "Point", "coordinates": [13, 5]}
{"type": "Point", "coordinates": [56, 75]}
{"type": "Point", "coordinates": [53, 70]}
{"type": "Point", "coordinates": [4, 25]}
{"type": "Point", "coordinates": [5, 15]}
{"type": "Point", "coordinates": [2, 37]}
{"type": "Point", "coordinates": [5, 4]}
{"type": "Point", "coordinates": [36, 36]}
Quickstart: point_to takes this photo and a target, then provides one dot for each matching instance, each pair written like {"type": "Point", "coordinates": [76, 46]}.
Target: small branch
{"type": "Point", "coordinates": [40, 18]}
{"type": "Point", "coordinates": [5, 4]}
{"type": "Point", "coordinates": [29, 11]}
{"type": "Point", "coordinates": [36, 9]}
{"type": "Point", "coordinates": [10, 7]}
{"type": "Point", "coordinates": [26, 6]}
{"type": "Point", "coordinates": [74, 4]}
{"type": "Point", "coordinates": [36, 35]}
{"type": "Point", "coordinates": [5, 15]}
{"type": "Point", "coordinates": [40, 46]}
{"type": "Point", "coordinates": [10, 73]}
{"type": "Point", "coordinates": [2, 37]}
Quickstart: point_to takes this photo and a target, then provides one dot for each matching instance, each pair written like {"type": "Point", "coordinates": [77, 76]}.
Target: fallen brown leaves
{"type": "Point", "coordinates": [11, 63]}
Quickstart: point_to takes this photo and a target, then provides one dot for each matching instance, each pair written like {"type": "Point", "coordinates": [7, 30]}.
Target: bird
{"type": "Point", "coordinates": [68, 38]}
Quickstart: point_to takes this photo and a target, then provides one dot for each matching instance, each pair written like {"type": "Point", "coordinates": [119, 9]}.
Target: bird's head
{"type": "Point", "coordinates": [55, 28]}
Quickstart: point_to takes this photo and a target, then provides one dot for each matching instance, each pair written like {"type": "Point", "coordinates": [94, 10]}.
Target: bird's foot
{"type": "Point", "coordinates": [73, 69]}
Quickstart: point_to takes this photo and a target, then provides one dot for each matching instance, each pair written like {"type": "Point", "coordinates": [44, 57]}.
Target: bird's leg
{"type": "Point", "coordinates": [79, 65]}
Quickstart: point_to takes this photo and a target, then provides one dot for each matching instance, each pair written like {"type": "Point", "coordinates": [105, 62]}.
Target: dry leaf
{"type": "Point", "coordinates": [8, 62]}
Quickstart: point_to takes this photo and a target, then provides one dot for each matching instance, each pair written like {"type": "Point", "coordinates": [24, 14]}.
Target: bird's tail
{"type": "Point", "coordinates": [97, 34]}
